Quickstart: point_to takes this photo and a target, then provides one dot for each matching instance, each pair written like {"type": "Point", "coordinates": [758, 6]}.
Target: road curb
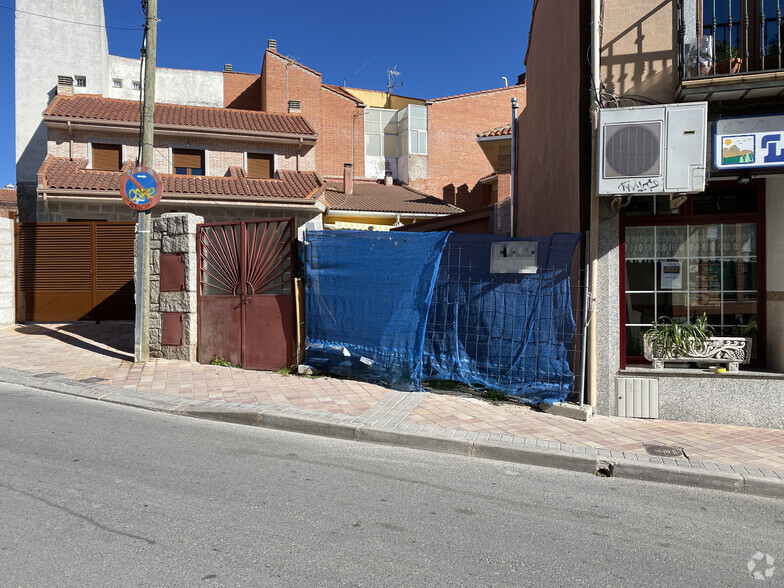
{"type": "Point", "coordinates": [681, 476]}
{"type": "Point", "coordinates": [413, 440]}
{"type": "Point", "coordinates": [578, 459]}
{"type": "Point", "coordinates": [538, 456]}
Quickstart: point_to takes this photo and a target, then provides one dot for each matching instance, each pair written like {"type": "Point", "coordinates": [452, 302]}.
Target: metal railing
{"type": "Point", "coordinates": [729, 37]}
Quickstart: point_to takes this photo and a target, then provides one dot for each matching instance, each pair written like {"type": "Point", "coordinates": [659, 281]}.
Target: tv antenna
{"type": "Point", "coordinates": [392, 75]}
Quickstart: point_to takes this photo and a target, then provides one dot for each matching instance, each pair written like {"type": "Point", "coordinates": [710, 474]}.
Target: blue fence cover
{"type": "Point", "coordinates": [507, 332]}
{"type": "Point", "coordinates": [367, 298]}
{"type": "Point", "coordinates": [400, 308]}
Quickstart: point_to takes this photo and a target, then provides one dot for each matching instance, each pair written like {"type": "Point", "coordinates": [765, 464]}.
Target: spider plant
{"type": "Point", "coordinates": [679, 339]}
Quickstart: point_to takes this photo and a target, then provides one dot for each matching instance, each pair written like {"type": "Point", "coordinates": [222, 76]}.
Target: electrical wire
{"type": "Point", "coordinates": [87, 24]}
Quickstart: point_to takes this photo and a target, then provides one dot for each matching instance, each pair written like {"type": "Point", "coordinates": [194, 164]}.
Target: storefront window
{"type": "Point", "coordinates": [705, 260]}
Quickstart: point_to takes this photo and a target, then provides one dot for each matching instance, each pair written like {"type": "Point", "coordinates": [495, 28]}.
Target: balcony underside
{"type": "Point", "coordinates": [748, 86]}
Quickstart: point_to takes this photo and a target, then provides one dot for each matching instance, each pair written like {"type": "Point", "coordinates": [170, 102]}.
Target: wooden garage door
{"type": "Point", "coordinates": [74, 271]}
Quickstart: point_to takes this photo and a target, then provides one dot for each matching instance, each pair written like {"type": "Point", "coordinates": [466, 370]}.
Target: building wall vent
{"type": "Point", "coordinates": [637, 397]}
{"type": "Point", "coordinates": [295, 106]}
{"type": "Point", "coordinates": [65, 86]}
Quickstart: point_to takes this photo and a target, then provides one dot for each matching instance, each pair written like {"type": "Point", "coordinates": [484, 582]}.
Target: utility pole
{"type": "Point", "coordinates": [141, 351]}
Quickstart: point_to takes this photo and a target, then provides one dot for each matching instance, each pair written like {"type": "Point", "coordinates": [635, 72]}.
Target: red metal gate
{"type": "Point", "coordinates": [246, 286]}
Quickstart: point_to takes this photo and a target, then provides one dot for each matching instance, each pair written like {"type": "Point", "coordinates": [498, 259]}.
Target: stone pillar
{"type": "Point", "coordinates": [174, 233]}
{"type": "Point", "coordinates": [7, 284]}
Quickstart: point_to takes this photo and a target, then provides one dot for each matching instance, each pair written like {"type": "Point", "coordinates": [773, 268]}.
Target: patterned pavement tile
{"type": "Point", "coordinates": [85, 350]}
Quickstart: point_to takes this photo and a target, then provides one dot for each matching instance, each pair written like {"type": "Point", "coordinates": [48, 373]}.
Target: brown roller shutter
{"type": "Point", "coordinates": [107, 157]}
{"type": "Point", "coordinates": [189, 160]}
{"type": "Point", "coordinates": [260, 165]}
{"type": "Point", "coordinates": [75, 271]}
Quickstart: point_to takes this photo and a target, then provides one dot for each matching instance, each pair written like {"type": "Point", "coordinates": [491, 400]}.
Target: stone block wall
{"type": "Point", "coordinates": [7, 285]}
{"type": "Point", "coordinates": [174, 233]}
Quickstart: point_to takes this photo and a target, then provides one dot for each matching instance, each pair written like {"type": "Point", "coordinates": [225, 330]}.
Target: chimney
{"type": "Point", "coordinates": [521, 79]}
{"type": "Point", "coordinates": [228, 68]}
{"type": "Point", "coordinates": [65, 86]}
{"type": "Point", "coordinates": [348, 179]}
{"type": "Point", "coordinates": [272, 45]}
{"type": "Point", "coordinates": [388, 181]}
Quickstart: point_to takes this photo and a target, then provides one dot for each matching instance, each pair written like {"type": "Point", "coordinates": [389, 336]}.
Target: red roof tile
{"type": "Point", "coordinates": [372, 196]}
{"type": "Point", "coordinates": [8, 197]}
{"type": "Point", "coordinates": [64, 174]}
{"type": "Point", "coordinates": [85, 106]}
{"type": "Point", "coordinates": [503, 131]}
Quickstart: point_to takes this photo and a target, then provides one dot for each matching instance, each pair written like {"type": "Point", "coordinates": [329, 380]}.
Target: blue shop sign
{"type": "Point", "coordinates": [748, 142]}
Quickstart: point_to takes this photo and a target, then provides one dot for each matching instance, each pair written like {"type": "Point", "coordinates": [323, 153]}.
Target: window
{"type": "Point", "coordinates": [380, 132]}
{"type": "Point", "coordinates": [261, 165]}
{"type": "Point", "coordinates": [117, 83]}
{"type": "Point", "coordinates": [106, 156]}
{"type": "Point", "coordinates": [137, 85]}
{"type": "Point", "coordinates": [80, 81]}
{"type": "Point", "coordinates": [188, 162]}
{"type": "Point", "coordinates": [704, 260]}
{"type": "Point", "coordinates": [412, 129]}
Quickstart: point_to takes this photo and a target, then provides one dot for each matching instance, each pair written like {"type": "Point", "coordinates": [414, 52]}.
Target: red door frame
{"type": "Point", "coordinates": [689, 219]}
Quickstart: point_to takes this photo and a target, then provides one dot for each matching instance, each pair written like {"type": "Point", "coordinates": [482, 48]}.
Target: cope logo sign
{"type": "Point", "coordinates": [749, 142]}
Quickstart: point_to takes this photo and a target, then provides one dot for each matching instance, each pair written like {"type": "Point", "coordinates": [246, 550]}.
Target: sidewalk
{"type": "Point", "coordinates": [96, 361]}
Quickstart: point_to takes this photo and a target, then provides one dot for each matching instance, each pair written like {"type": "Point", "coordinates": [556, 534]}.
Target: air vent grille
{"type": "Point", "coordinates": [632, 150]}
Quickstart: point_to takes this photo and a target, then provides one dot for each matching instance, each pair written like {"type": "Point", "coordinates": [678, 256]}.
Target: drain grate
{"type": "Point", "coordinates": [664, 451]}
{"type": "Point", "coordinates": [93, 380]}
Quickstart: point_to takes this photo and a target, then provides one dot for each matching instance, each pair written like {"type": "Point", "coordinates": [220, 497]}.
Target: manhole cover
{"type": "Point", "coordinates": [93, 380]}
{"type": "Point", "coordinates": [664, 451]}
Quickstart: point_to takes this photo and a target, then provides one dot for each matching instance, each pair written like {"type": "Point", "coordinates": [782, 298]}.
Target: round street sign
{"type": "Point", "coordinates": [141, 188]}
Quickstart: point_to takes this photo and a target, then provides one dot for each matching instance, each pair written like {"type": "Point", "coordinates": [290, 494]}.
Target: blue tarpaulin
{"type": "Point", "coordinates": [399, 308]}
{"type": "Point", "coordinates": [367, 296]}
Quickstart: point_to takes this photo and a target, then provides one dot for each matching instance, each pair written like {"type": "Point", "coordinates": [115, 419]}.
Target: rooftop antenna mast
{"type": "Point", "coordinates": [392, 75]}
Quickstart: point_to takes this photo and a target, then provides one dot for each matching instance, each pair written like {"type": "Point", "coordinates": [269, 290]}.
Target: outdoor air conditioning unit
{"type": "Point", "coordinates": [652, 149]}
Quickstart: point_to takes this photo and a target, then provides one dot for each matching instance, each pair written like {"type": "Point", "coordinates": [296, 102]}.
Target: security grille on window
{"type": "Point", "coordinates": [188, 162]}
{"type": "Point", "coordinates": [136, 85]}
{"type": "Point", "coordinates": [261, 165]}
{"type": "Point", "coordinates": [81, 81]}
{"type": "Point", "coordinates": [117, 83]}
{"type": "Point", "coordinates": [106, 156]}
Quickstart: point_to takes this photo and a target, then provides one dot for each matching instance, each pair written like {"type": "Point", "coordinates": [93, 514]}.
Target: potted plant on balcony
{"type": "Point", "coordinates": [728, 59]}
{"type": "Point", "coordinates": [686, 342]}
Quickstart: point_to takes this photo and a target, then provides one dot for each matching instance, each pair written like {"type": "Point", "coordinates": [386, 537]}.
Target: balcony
{"type": "Point", "coordinates": [730, 50]}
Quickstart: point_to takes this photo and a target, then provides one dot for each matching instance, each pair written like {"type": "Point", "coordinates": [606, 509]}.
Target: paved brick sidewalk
{"type": "Point", "coordinates": [103, 354]}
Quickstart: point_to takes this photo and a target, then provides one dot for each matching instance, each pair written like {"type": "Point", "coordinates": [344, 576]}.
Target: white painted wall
{"type": "Point", "coordinates": [7, 288]}
{"type": "Point", "coordinates": [44, 49]}
{"type": "Point", "coordinates": [172, 86]}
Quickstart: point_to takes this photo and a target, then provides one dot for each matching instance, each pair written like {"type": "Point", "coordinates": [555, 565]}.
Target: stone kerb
{"type": "Point", "coordinates": [174, 233]}
{"type": "Point", "coordinates": [7, 285]}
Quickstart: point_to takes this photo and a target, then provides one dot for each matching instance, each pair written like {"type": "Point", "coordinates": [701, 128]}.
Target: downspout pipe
{"type": "Point", "coordinates": [515, 106]}
{"type": "Point", "coordinates": [593, 233]}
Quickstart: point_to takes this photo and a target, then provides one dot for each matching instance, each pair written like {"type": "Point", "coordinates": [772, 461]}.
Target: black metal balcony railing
{"type": "Point", "coordinates": [729, 37]}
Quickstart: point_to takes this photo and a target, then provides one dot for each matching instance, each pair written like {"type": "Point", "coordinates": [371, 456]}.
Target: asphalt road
{"type": "Point", "coordinates": [99, 495]}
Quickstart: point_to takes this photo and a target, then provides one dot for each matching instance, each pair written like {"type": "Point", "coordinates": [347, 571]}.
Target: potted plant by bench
{"type": "Point", "coordinates": [686, 342]}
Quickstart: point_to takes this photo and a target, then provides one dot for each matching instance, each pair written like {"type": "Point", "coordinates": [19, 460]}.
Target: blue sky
{"type": "Point", "coordinates": [440, 48]}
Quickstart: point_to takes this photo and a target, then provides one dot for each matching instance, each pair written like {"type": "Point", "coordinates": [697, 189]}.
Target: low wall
{"type": "Point", "coordinates": [748, 398]}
